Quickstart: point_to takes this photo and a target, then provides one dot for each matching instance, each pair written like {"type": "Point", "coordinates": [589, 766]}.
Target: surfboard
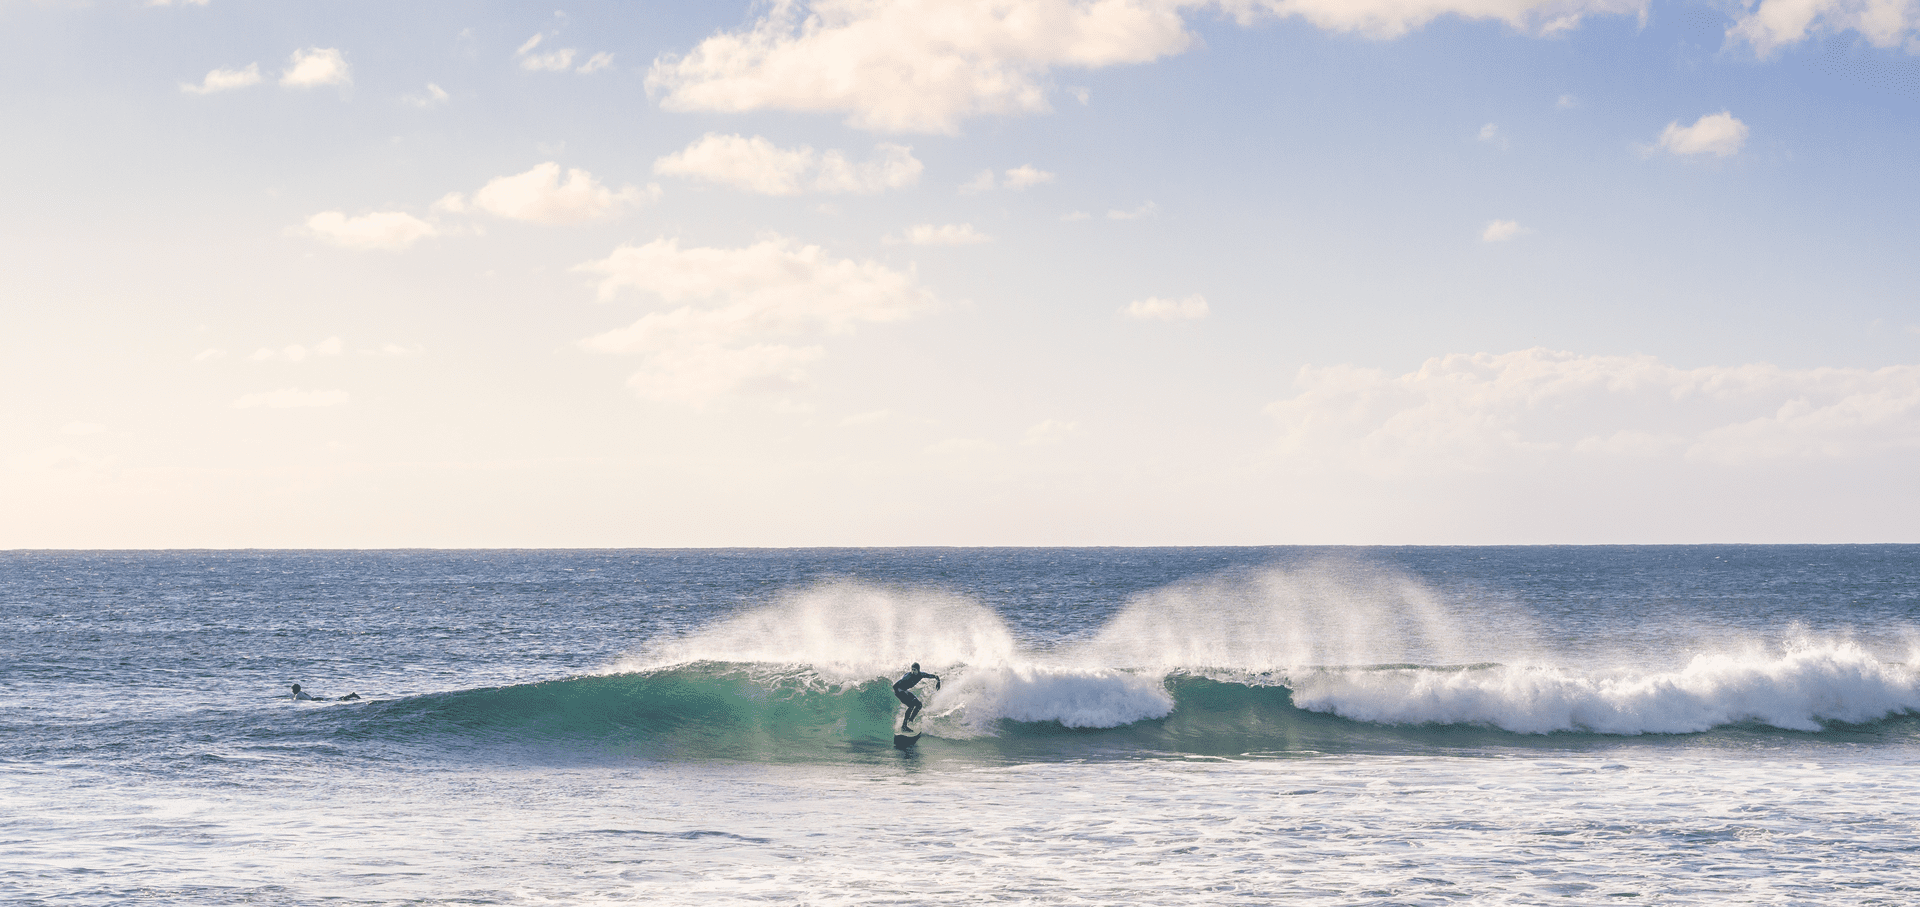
{"type": "Point", "coordinates": [906, 741]}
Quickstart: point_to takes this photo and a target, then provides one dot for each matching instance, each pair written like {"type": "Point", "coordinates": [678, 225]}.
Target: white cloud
{"type": "Point", "coordinates": [1492, 135]}
{"type": "Point", "coordinates": [1021, 177]}
{"type": "Point", "coordinates": [1501, 231]}
{"type": "Point", "coordinates": [316, 66]}
{"type": "Point", "coordinates": [758, 165]}
{"type": "Point", "coordinates": [210, 354]}
{"type": "Point", "coordinates": [559, 59]}
{"type": "Point", "coordinates": [981, 182]}
{"type": "Point", "coordinates": [1026, 175]}
{"type": "Point", "coordinates": [1773, 24]}
{"type": "Point", "coordinates": [745, 319]}
{"type": "Point", "coordinates": [1484, 412]}
{"type": "Point", "coordinates": [389, 230]}
{"type": "Point", "coordinates": [540, 196]}
{"type": "Point", "coordinates": [433, 96]}
{"type": "Point", "coordinates": [1052, 431]}
{"type": "Point", "coordinates": [1153, 308]}
{"type": "Point", "coordinates": [1716, 133]}
{"type": "Point", "coordinates": [295, 352]}
{"type": "Point", "coordinates": [942, 235]}
{"type": "Point", "coordinates": [552, 61]}
{"type": "Point", "coordinates": [1146, 210]}
{"type": "Point", "coordinates": [912, 65]}
{"type": "Point", "coordinates": [225, 80]}
{"type": "Point", "coordinates": [1567, 102]}
{"type": "Point", "coordinates": [291, 398]}
{"type": "Point", "coordinates": [1393, 18]}
{"type": "Point", "coordinates": [927, 65]}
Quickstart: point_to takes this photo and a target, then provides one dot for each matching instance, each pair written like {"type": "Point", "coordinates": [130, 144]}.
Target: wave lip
{"type": "Point", "coordinates": [1803, 688]}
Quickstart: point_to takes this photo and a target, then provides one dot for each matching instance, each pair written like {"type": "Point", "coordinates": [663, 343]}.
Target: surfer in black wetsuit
{"type": "Point", "coordinates": [298, 696]}
{"type": "Point", "coordinates": [903, 689]}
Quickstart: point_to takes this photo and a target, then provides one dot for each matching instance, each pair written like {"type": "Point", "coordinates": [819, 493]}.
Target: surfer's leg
{"type": "Point", "coordinates": [913, 706]}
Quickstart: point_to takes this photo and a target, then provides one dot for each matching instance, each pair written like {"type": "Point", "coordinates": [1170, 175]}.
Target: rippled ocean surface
{"type": "Point", "coordinates": [1671, 725]}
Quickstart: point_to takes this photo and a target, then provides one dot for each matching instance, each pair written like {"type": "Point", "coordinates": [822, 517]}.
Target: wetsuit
{"type": "Point", "coordinates": [903, 690]}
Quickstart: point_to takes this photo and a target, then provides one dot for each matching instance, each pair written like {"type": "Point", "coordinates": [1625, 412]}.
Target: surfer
{"type": "Point", "coordinates": [903, 689]}
{"type": "Point", "coordinates": [298, 696]}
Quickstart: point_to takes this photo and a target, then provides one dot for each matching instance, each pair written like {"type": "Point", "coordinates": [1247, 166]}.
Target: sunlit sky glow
{"type": "Point", "coordinates": [1018, 272]}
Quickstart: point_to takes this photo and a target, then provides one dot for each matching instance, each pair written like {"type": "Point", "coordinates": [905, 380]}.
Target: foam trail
{"type": "Point", "coordinates": [1801, 688]}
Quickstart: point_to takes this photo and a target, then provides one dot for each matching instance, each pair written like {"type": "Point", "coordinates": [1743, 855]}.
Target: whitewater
{"type": "Point", "coordinates": [1680, 724]}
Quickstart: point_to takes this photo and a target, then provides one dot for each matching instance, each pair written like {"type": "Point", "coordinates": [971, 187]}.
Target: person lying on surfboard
{"type": "Point", "coordinates": [299, 695]}
{"type": "Point", "coordinates": [903, 688]}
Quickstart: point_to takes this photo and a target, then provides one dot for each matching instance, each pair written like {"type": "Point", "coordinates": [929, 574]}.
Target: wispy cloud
{"type": "Point", "coordinates": [758, 165]}
{"type": "Point", "coordinates": [225, 80]}
{"type": "Point", "coordinates": [541, 196]}
{"type": "Point", "coordinates": [942, 235]}
{"type": "Point", "coordinates": [1476, 412]}
{"type": "Point", "coordinates": [385, 230]}
{"type": "Point", "coordinates": [1501, 231]}
{"type": "Point", "coordinates": [558, 59]}
{"type": "Point", "coordinates": [291, 398]}
{"type": "Point", "coordinates": [745, 319]}
{"type": "Point", "coordinates": [296, 352]}
{"type": "Point", "coordinates": [1153, 308]}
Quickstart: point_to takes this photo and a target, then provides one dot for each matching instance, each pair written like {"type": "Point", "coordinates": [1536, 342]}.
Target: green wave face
{"type": "Point", "coordinates": [757, 713]}
{"type": "Point", "coordinates": [709, 711]}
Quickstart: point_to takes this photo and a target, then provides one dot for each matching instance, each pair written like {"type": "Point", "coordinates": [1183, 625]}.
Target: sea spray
{"type": "Point", "coordinates": [1329, 613]}
{"type": "Point", "coordinates": [846, 631]}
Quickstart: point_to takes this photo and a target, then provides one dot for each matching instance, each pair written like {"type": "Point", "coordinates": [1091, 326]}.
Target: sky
{"type": "Point", "coordinates": [1019, 272]}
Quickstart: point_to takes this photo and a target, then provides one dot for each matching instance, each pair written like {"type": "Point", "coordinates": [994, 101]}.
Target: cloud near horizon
{"type": "Point", "coordinates": [744, 319]}
{"type": "Point", "coordinates": [1482, 412]}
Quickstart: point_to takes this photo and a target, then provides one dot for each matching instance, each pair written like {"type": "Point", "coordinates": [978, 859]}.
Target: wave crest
{"type": "Point", "coordinates": [1801, 688]}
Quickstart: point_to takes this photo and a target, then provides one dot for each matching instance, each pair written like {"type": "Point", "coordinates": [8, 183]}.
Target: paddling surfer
{"type": "Point", "coordinates": [299, 695]}
{"type": "Point", "coordinates": [903, 689]}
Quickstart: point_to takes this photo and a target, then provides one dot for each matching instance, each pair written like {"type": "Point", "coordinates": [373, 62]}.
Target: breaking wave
{"type": "Point", "coordinates": [1269, 667]}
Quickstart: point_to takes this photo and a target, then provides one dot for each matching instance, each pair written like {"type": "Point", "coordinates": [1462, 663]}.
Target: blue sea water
{"type": "Point", "coordinates": [1672, 725]}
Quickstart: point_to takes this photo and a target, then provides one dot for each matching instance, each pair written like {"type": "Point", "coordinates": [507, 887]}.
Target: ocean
{"type": "Point", "coordinates": [1303, 726]}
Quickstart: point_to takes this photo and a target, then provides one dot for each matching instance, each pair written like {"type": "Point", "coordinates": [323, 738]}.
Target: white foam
{"type": "Point", "coordinates": [1797, 688]}
{"type": "Point", "coordinates": [975, 698]}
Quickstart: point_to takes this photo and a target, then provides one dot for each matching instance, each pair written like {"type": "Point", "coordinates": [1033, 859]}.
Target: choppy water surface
{"type": "Point", "coordinates": [1711, 724]}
